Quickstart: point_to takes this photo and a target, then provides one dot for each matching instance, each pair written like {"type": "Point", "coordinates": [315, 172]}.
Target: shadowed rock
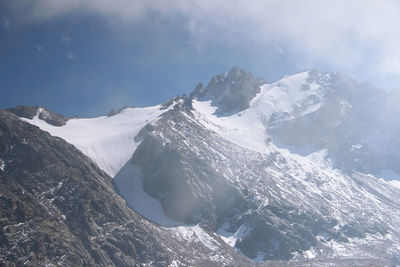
{"type": "Point", "coordinates": [44, 114]}
{"type": "Point", "coordinates": [231, 92]}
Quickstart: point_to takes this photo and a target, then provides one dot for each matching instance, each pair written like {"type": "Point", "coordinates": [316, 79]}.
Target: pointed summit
{"type": "Point", "coordinates": [231, 91]}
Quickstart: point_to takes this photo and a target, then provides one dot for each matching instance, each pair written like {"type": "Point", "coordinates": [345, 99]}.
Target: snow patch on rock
{"type": "Point", "coordinates": [2, 165]}
{"type": "Point", "coordinates": [231, 238]}
{"type": "Point", "coordinates": [196, 234]}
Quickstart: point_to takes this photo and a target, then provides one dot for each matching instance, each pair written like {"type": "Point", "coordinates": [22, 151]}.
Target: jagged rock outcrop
{"type": "Point", "coordinates": [43, 114]}
{"type": "Point", "coordinates": [231, 92]}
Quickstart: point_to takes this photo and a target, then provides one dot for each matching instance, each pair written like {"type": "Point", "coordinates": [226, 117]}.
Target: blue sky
{"type": "Point", "coordinates": [83, 58]}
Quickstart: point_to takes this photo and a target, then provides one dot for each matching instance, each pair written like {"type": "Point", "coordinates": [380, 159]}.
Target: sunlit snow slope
{"type": "Point", "coordinates": [109, 141]}
{"type": "Point", "coordinates": [293, 95]}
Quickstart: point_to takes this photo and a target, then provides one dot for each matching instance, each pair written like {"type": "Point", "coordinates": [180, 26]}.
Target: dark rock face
{"type": "Point", "coordinates": [44, 114]}
{"type": "Point", "coordinates": [231, 92]}
{"type": "Point", "coordinates": [114, 111]}
{"type": "Point", "coordinates": [190, 191]}
{"type": "Point", "coordinates": [57, 207]}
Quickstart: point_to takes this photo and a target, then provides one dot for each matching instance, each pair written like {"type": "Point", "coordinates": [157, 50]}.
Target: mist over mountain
{"type": "Point", "coordinates": [241, 172]}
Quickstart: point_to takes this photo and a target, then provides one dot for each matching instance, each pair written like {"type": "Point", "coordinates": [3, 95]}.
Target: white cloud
{"type": "Point", "coordinates": [4, 21]}
{"type": "Point", "coordinates": [348, 35]}
{"type": "Point", "coordinates": [65, 39]}
{"type": "Point", "coordinates": [71, 56]}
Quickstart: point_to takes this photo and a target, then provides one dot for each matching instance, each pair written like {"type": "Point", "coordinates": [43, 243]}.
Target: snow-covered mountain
{"type": "Point", "coordinates": [288, 170]}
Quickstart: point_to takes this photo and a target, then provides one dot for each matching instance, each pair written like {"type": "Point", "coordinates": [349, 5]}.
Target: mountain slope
{"type": "Point", "coordinates": [58, 208]}
{"type": "Point", "coordinates": [279, 171]}
{"type": "Point", "coordinates": [276, 205]}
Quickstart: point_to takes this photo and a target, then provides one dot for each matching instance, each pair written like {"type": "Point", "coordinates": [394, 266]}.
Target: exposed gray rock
{"type": "Point", "coordinates": [114, 111]}
{"type": "Point", "coordinates": [44, 114]}
{"type": "Point", "coordinates": [192, 192]}
{"type": "Point", "coordinates": [231, 92]}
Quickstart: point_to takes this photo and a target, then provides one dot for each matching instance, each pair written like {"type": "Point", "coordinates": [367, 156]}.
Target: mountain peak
{"type": "Point", "coordinates": [231, 91]}
{"type": "Point", "coordinates": [237, 71]}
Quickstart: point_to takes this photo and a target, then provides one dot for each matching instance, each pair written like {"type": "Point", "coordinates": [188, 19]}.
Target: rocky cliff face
{"type": "Point", "coordinates": [44, 114]}
{"type": "Point", "coordinates": [231, 91]}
